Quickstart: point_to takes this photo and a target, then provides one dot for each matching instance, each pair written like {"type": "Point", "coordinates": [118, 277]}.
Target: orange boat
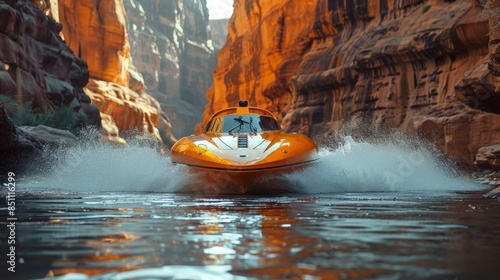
{"type": "Point", "coordinates": [242, 150]}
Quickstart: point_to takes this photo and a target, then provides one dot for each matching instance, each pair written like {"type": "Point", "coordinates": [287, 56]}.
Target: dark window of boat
{"type": "Point", "coordinates": [242, 124]}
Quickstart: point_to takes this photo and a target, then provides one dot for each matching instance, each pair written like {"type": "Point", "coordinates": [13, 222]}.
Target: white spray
{"type": "Point", "coordinates": [352, 167]}
{"type": "Point", "coordinates": [393, 166]}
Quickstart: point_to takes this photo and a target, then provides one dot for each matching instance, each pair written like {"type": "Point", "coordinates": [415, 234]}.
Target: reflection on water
{"type": "Point", "coordinates": [334, 236]}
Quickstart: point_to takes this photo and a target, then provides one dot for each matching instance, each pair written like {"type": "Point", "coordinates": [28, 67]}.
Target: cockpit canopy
{"type": "Point", "coordinates": [242, 124]}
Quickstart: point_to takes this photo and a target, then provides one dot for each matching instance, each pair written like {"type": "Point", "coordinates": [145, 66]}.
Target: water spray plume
{"type": "Point", "coordinates": [388, 166]}
{"type": "Point", "coordinates": [353, 166]}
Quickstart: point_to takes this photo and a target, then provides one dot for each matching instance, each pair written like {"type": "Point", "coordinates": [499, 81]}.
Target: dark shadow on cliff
{"type": "Point", "coordinates": [18, 150]}
{"type": "Point", "coordinates": [32, 147]}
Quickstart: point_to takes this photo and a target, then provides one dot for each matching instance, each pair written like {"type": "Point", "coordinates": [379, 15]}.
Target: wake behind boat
{"type": "Point", "coordinates": [241, 148]}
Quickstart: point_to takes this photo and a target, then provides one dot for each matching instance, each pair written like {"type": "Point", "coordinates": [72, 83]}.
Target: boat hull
{"type": "Point", "coordinates": [271, 180]}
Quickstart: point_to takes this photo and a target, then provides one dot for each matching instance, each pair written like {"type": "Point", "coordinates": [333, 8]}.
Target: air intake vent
{"type": "Point", "coordinates": [242, 142]}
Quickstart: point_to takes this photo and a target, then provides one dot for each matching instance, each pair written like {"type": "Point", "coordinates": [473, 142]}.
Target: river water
{"type": "Point", "coordinates": [365, 211]}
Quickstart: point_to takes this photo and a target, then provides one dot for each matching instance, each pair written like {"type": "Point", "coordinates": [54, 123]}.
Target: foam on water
{"type": "Point", "coordinates": [352, 167]}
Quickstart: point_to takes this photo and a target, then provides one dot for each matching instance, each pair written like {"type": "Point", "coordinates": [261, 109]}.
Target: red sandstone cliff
{"type": "Point", "coordinates": [425, 66]}
{"type": "Point", "coordinates": [97, 32]}
{"type": "Point", "coordinates": [171, 48]}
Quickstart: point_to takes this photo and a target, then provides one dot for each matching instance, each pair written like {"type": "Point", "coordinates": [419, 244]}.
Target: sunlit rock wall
{"type": "Point", "coordinates": [97, 32]}
{"type": "Point", "coordinates": [38, 69]}
{"type": "Point", "coordinates": [266, 42]}
{"type": "Point", "coordinates": [171, 47]}
{"type": "Point", "coordinates": [427, 67]}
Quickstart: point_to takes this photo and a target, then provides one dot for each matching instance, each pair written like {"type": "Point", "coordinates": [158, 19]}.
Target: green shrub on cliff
{"type": "Point", "coordinates": [63, 117]}
{"type": "Point", "coordinates": [25, 116]}
{"type": "Point", "coordinates": [10, 104]}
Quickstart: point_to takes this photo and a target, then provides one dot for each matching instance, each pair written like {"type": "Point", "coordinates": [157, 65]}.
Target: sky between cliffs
{"type": "Point", "coordinates": [220, 9]}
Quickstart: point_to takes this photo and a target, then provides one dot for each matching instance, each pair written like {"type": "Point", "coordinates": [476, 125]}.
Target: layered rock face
{"type": "Point", "coordinates": [97, 31]}
{"type": "Point", "coordinates": [421, 66]}
{"type": "Point", "coordinates": [171, 47]}
{"type": "Point", "coordinates": [35, 64]}
{"type": "Point", "coordinates": [38, 69]}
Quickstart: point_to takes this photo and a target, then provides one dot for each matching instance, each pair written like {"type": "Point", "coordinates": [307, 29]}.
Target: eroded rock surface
{"type": "Point", "coordinates": [97, 31]}
{"type": "Point", "coordinates": [171, 47]}
{"type": "Point", "coordinates": [488, 157]}
{"type": "Point", "coordinates": [36, 65]}
{"type": "Point", "coordinates": [37, 70]}
{"type": "Point", "coordinates": [420, 66]}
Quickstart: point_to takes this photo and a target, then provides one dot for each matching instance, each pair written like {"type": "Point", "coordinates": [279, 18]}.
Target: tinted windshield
{"type": "Point", "coordinates": [242, 124]}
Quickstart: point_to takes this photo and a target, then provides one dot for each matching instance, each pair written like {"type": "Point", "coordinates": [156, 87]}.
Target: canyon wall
{"type": "Point", "coordinates": [97, 32]}
{"type": "Point", "coordinates": [38, 73]}
{"type": "Point", "coordinates": [36, 66]}
{"type": "Point", "coordinates": [428, 67]}
{"type": "Point", "coordinates": [75, 52]}
{"type": "Point", "coordinates": [171, 47]}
